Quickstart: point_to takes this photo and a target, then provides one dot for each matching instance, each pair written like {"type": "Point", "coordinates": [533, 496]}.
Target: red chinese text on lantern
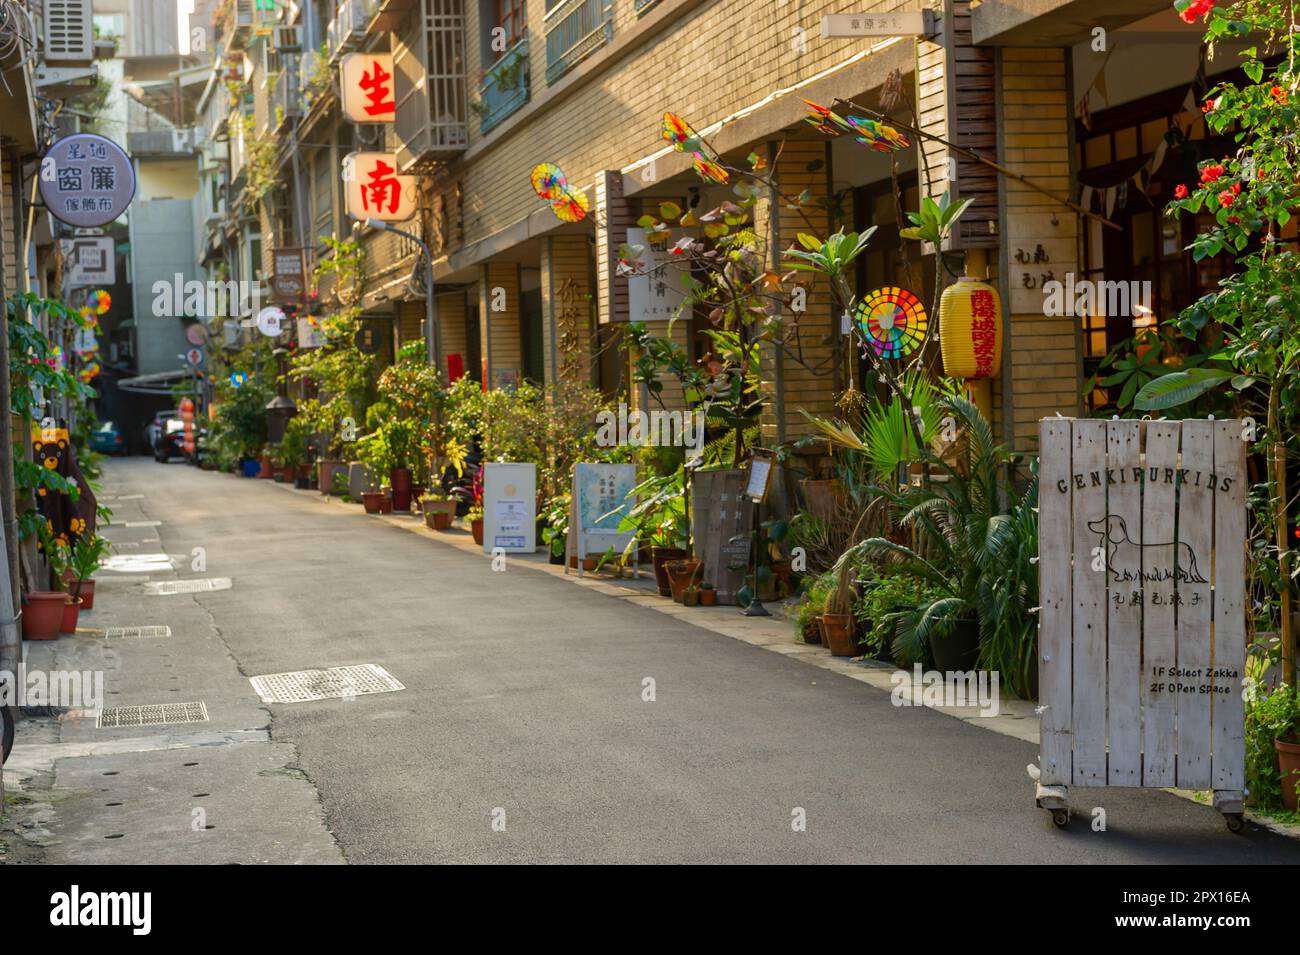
{"type": "Point", "coordinates": [984, 331]}
{"type": "Point", "coordinates": [369, 87]}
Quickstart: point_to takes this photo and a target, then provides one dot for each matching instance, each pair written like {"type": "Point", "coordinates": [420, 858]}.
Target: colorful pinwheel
{"type": "Point", "coordinates": [567, 202]}
{"type": "Point", "coordinates": [686, 140]}
{"type": "Point", "coordinates": [893, 322]}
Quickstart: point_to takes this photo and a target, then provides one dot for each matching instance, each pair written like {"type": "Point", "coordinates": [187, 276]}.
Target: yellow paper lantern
{"type": "Point", "coordinates": [970, 330]}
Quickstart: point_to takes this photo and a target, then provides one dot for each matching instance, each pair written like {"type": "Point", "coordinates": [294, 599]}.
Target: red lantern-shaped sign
{"type": "Point", "coordinates": [367, 84]}
{"type": "Point", "coordinates": [187, 418]}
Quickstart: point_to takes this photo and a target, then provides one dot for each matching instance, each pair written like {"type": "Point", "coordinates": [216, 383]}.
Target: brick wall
{"type": "Point", "coordinates": [499, 330]}
{"type": "Point", "coordinates": [1042, 360]}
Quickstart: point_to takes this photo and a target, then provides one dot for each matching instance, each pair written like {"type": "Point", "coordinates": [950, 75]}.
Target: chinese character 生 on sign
{"type": "Point", "coordinates": [367, 85]}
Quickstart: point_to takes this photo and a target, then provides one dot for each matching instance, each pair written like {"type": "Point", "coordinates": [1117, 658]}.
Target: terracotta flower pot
{"type": "Point", "coordinates": [372, 501]}
{"type": "Point", "coordinates": [71, 610]}
{"type": "Point", "coordinates": [325, 469]}
{"type": "Point", "coordinates": [680, 575]}
{"type": "Point", "coordinates": [838, 630]}
{"type": "Point", "coordinates": [437, 520]}
{"type": "Point", "coordinates": [385, 502]}
{"type": "Point", "coordinates": [42, 614]}
{"type": "Point", "coordinates": [264, 468]}
{"type": "Point", "coordinates": [476, 527]}
{"type": "Point", "coordinates": [660, 556]}
{"type": "Point", "coordinates": [708, 598]}
{"type": "Point", "coordinates": [1288, 763]}
{"type": "Point", "coordinates": [87, 589]}
{"type": "Point", "coordinates": [812, 630]}
{"type": "Point", "coordinates": [400, 480]}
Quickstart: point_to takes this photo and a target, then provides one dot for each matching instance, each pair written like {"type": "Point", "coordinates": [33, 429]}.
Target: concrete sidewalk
{"type": "Point", "coordinates": [214, 791]}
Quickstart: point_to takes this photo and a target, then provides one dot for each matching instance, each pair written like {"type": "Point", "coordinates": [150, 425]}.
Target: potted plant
{"type": "Point", "coordinates": [59, 556]}
{"type": "Point", "coordinates": [438, 510]}
{"type": "Point", "coordinates": [475, 518]}
{"type": "Point", "coordinates": [373, 500]}
{"type": "Point", "coordinates": [294, 451]}
{"type": "Point", "coordinates": [84, 560]}
{"type": "Point", "coordinates": [659, 519]}
{"type": "Point", "coordinates": [681, 574]}
{"type": "Point", "coordinates": [839, 629]}
{"type": "Point", "coordinates": [43, 614]}
{"type": "Point", "coordinates": [691, 596]}
{"type": "Point", "coordinates": [807, 616]}
{"type": "Point", "coordinates": [386, 499]}
{"type": "Point", "coordinates": [708, 595]}
{"type": "Point", "coordinates": [1273, 746]}
{"type": "Point", "coordinates": [555, 535]}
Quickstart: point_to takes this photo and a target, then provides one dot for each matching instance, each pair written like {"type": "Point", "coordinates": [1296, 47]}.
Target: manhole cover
{"type": "Point", "coordinates": [137, 633]}
{"type": "Point", "coordinates": [160, 588]}
{"type": "Point", "coordinates": [152, 714]}
{"type": "Point", "coordinates": [335, 683]}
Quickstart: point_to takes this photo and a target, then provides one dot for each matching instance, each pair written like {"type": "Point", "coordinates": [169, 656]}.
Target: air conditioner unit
{"type": "Point", "coordinates": [69, 32]}
{"type": "Point", "coordinates": [287, 39]}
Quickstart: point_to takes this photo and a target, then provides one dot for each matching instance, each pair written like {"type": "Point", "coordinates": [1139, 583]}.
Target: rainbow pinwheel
{"type": "Point", "coordinates": [893, 322]}
{"type": "Point", "coordinates": [686, 140]}
{"type": "Point", "coordinates": [99, 302]}
{"type": "Point", "coordinates": [567, 202]}
{"type": "Point", "coordinates": [868, 132]}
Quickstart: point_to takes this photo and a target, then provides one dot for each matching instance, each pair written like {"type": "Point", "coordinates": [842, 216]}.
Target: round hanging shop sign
{"type": "Point", "coordinates": [86, 180]}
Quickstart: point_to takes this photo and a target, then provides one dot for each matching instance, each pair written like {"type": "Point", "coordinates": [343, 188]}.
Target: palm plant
{"type": "Point", "coordinates": [963, 537]}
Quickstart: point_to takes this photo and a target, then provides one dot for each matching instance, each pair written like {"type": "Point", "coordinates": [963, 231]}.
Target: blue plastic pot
{"type": "Point", "coordinates": [250, 467]}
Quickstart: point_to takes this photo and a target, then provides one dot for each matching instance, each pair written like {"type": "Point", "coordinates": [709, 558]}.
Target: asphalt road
{"type": "Point", "coordinates": [523, 705]}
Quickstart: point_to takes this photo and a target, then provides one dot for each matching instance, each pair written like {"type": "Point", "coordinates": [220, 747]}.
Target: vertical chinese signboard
{"type": "Point", "coordinates": [1142, 550]}
{"type": "Point", "coordinates": [366, 80]}
{"type": "Point", "coordinates": [655, 292]}
{"type": "Point", "coordinates": [374, 189]}
{"type": "Point", "coordinates": [289, 277]}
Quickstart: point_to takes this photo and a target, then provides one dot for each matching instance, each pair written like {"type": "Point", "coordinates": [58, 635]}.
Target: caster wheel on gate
{"type": "Point", "coordinates": [1235, 822]}
{"type": "Point", "coordinates": [1060, 818]}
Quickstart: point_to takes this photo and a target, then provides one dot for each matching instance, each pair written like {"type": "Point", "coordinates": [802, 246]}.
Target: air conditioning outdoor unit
{"type": "Point", "coordinates": [69, 32]}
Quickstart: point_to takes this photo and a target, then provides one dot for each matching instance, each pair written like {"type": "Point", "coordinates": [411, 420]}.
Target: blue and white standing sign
{"type": "Point", "coordinates": [602, 497]}
{"type": "Point", "coordinates": [86, 180]}
{"type": "Point", "coordinates": [509, 508]}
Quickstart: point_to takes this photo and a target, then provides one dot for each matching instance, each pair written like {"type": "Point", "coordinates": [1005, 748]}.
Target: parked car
{"type": "Point", "coordinates": [108, 439]}
{"type": "Point", "coordinates": [171, 442]}
{"type": "Point", "coordinates": [155, 428]}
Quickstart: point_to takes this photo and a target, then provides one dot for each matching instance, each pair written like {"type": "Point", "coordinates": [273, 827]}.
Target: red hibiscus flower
{"type": "Point", "coordinates": [1211, 173]}
{"type": "Point", "coordinates": [1180, 192]}
{"type": "Point", "coordinates": [1278, 94]}
{"type": "Point", "coordinates": [1197, 8]}
{"type": "Point", "coordinates": [1208, 107]}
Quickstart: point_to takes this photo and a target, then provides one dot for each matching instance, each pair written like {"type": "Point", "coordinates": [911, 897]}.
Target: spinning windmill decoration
{"type": "Point", "coordinates": [569, 203]}
{"type": "Point", "coordinates": [893, 322]}
{"type": "Point", "coordinates": [686, 140]}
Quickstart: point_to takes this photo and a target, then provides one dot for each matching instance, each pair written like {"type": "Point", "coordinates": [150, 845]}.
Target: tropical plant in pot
{"type": "Point", "coordinates": [475, 519]}
{"type": "Point", "coordinates": [964, 539]}
{"type": "Point", "coordinates": [438, 510]}
{"type": "Point", "coordinates": [708, 594]}
{"type": "Point", "coordinates": [555, 535]}
{"type": "Point", "coordinates": [682, 574]}
{"type": "Point", "coordinates": [1273, 746]}
{"type": "Point", "coordinates": [294, 450]}
{"type": "Point", "coordinates": [838, 624]}
{"type": "Point", "coordinates": [84, 560]}
{"type": "Point", "coordinates": [659, 519]}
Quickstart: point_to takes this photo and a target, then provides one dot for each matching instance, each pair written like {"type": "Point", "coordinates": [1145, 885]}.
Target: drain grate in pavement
{"type": "Point", "coordinates": [152, 714]}
{"type": "Point", "coordinates": [159, 588]}
{"type": "Point", "coordinates": [143, 524]}
{"type": "Point", "coordinates": [137, 633]}
{"type": "Point", "coordinates": [335, 683]}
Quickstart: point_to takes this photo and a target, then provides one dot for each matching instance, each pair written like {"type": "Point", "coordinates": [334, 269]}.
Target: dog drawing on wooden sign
{"type": "Point", "coordinates": [1115, 534]}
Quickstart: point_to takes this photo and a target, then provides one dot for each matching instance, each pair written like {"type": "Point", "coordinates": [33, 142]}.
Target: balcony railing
{"type": "Point", "coordinates": [286, 95]}
{"type": "Point", "coordinates": [347, 29]}
{"type": "Point", "coordinates": [506, 87]}
{"type": "Point", "coordinates": [429, 83]}
{"type": "Point", "coordinates": [575, 29]}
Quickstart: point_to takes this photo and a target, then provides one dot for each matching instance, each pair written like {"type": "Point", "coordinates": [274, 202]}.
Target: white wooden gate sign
{"type": "Point", "coordinates": [1142, 559]}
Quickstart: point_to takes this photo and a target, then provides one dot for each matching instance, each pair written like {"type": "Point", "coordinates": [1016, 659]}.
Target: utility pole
{"type": "Point", "coordinates": [10, 645]}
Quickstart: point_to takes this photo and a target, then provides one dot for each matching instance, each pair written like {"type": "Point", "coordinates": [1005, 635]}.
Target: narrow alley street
{"type": "Point", "coordinates": [521, 734]}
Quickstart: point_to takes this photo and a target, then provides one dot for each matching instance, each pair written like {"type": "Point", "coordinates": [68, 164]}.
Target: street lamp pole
{"type": "Point", "coordinates": [432, 343]}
